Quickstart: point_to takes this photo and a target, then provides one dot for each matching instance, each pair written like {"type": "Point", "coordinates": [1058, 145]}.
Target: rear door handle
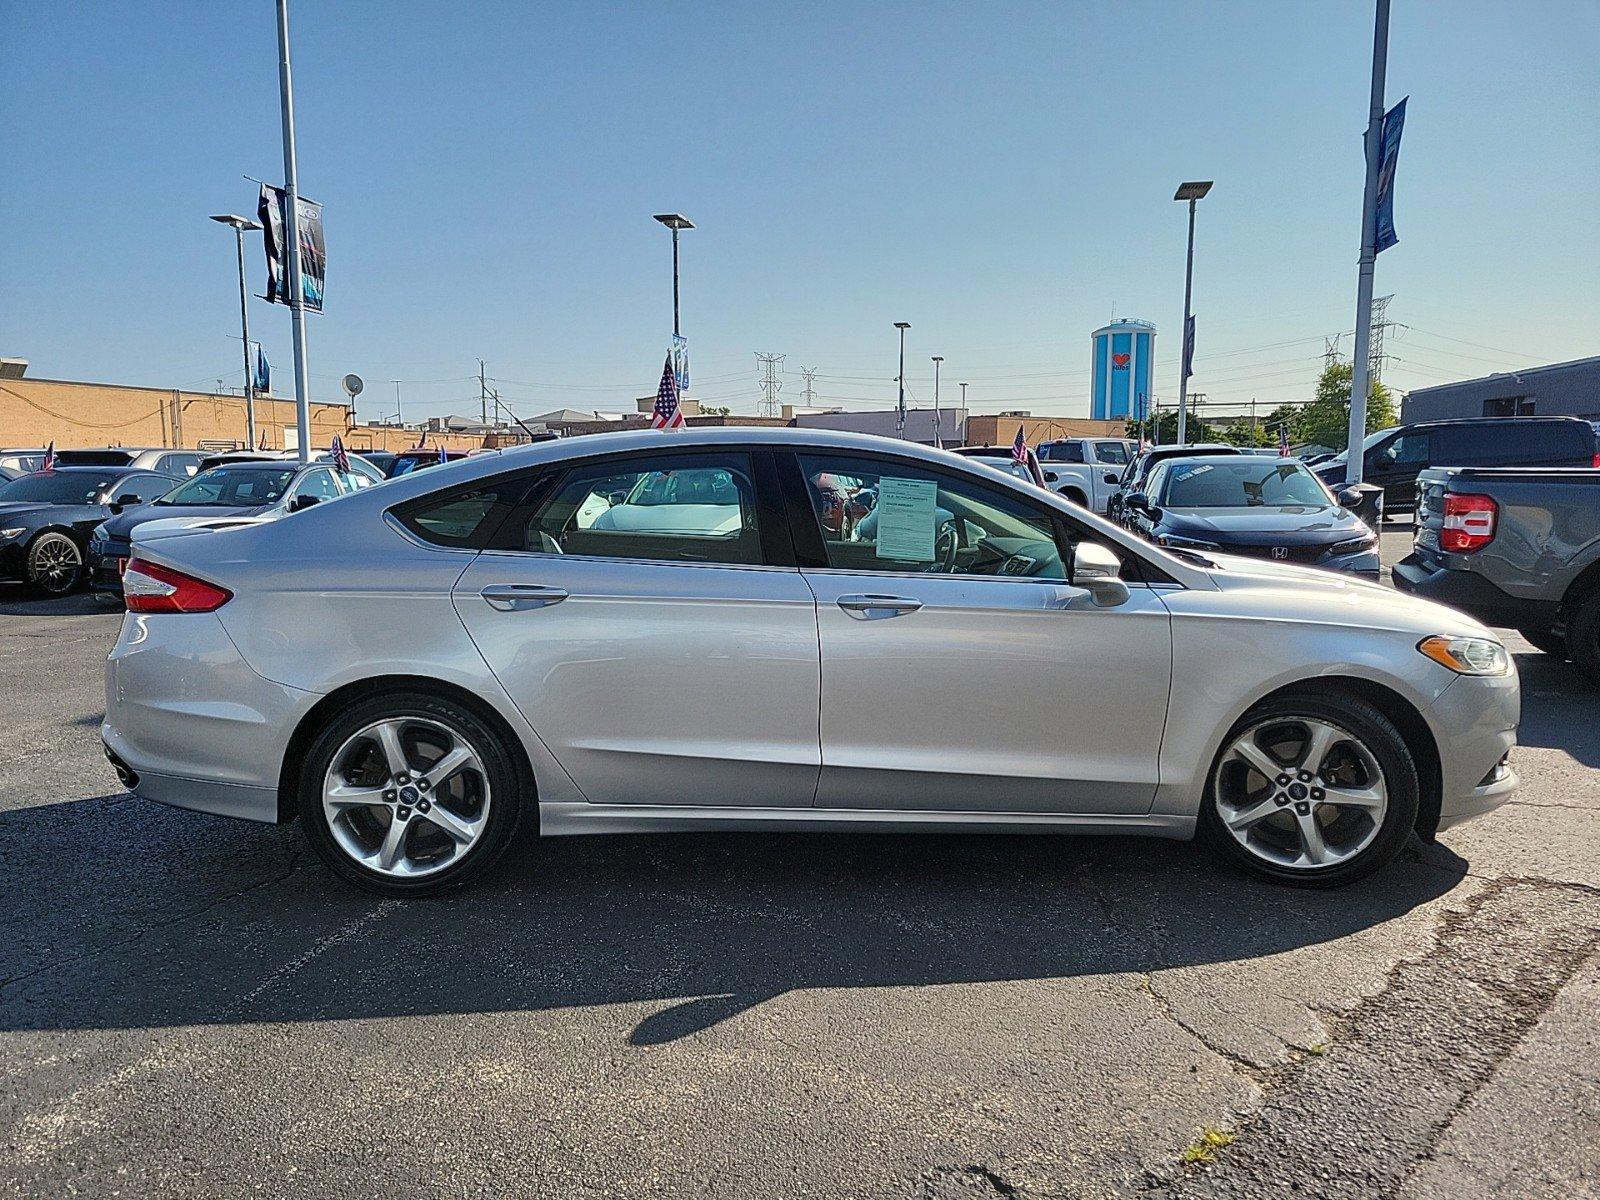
{"type": "Point", "coordinates": [869, 607]}
{"type": "Point", "coordinates": [519, 597]}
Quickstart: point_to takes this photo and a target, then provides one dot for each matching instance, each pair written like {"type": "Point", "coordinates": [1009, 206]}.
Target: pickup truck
{"type": "Point", "coordinates": [1087, 470]}
{"type": "Point", "coordinates": [1517, 547]}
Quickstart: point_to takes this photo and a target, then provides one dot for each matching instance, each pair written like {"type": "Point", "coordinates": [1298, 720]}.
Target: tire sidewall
{"type": "Point", "coordinates": [1380, 736]}
{"type": "Point", "coordinates": [498, 764]}
{"type": "Point", "coordinates": [1583, 637]}
{"type": "Point", "coordinates": [48, 536]}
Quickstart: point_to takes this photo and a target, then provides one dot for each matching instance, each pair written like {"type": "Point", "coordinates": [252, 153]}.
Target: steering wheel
{"type": "Point", "coordinates": [945, 544]}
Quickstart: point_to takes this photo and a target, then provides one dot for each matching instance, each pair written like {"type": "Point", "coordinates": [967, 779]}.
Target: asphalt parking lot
{"type": "Point", "coordinates": [193, 1006]}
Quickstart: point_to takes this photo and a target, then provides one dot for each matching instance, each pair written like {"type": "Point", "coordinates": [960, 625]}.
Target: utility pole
{"type": "Point", "coordinates": [771, 385]}
{"type": "Point", "coordinates": [291, 203]}
{"type": "Point", "coordinates": [483, 392]}
{"type": "Point", "coordinates": [963, 397]}
{"type": "Point", "coordinates": [1360, 366]}
{"type": "Point", "coordinates": [900, 405]}
{"type": "Point", "coordinates": [938, 360]}
{"type": "Point", "coordinates": [399, 420]}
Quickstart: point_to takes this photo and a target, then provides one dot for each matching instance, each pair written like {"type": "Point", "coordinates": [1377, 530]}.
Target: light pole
{"type": "Point", "coordinates": [1190, 192]}
{"type": "Point", "coordinates": [1355, 452]}
{"type": "Point", "coordinates": [398, 419]}
{"type": "Point", "coordinates": [900, 405]}
{"type": "Point", "coordinates": [240, 224]}
{"type": "Point", "coordinates": [675, 222]}
{"type": "Point", "coordinates": [937, 359]}
{"type": "Point", "coordinates": [291, 235]}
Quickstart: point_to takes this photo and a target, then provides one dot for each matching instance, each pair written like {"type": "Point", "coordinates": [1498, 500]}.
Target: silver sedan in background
{"type": "Point", "coordinates": [784, 629]}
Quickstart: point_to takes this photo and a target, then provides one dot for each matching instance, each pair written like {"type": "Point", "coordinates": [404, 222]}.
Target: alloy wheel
{"type": "Point", "coordinates": [56, 564]}
{"type": "Point", "coordinates": [406, 797]}
{"type": "Point", "coordinates": [1300, 792]}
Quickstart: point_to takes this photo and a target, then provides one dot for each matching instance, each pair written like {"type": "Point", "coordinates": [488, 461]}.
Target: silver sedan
{"type": "Point", "coordinates": [783, 629]}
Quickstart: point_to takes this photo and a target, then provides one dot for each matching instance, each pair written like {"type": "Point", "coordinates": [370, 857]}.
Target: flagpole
{"type": "Point", "coordinates": [1354, 456]}
{"type": "Point", "coordinates": [291, 204]}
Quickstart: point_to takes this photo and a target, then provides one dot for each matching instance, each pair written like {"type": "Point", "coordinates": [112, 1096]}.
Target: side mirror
{"type": "Point", "coordinates": [300, 502]}
{"type": "Point", "coordinates": [115, 506]}
{"type": "Point", "coordinates": [1349, 497]}
{"type": "Point", "coordinates": [1098, 570]}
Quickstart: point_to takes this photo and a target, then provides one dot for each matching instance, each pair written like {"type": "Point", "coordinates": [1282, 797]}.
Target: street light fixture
{"type": "Point", "coordinates": [1192, 192]}
{"type": "Point", "coordinates": [675, 222]}
{"type": "Point", "coordinates": [900, 406]}
{"type": "Point", "coordinates": [240, 224]}
{"type": "Point", "coordinates": [937, 360]}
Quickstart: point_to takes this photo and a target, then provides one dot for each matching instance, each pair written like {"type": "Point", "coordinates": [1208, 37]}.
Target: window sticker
{"type": "Point", "coordinates": [907, 513]}
{"type": "Point", "coordinates": [1191, 472]}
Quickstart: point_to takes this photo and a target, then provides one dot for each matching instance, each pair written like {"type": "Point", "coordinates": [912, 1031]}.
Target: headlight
{"type": "Point", "coordinates": [1354, 545]}
{"type": "Point", "coordinates": [1183, 543]}
{"type": "Point", "coordinates": [8, 534]}
{"type": "Point", "coordinates": [1467, 655]}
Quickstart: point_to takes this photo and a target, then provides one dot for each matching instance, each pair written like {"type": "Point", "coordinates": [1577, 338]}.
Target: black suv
{"type": "Point", "coordinates": [1395, 457]}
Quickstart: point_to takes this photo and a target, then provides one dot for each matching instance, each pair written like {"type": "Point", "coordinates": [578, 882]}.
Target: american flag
{"type": "Point", "coordinates": [341, 460]}
{"type": "Point", "coordinates": [1019, 448]}
{"type": "Point", "coordinates": [1283, 439]}
{"type": "Point", "coordinates": [667, 414]}
{"type": "Point", "coordinates": [49, 463]}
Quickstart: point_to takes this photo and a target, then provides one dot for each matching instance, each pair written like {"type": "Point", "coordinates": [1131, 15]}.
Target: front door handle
{"type": "Point", "coordinates": [873, 608]}
{"type": "Point", "coordinates": [519, 597]}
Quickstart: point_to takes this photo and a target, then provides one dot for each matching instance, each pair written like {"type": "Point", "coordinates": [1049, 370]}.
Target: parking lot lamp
{"type": "Point", "coordinates": [1191, 192]}
{"type": "Point", "coordinates": [240, 224]}
{"type": "Point", "coordinates": [675, 222]}
{"type": "Point", "coordinates": [900, 405]}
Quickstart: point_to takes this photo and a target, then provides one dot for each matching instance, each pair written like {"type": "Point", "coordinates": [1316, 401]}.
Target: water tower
{"type": "Point", "coordinates": [1124, 364]}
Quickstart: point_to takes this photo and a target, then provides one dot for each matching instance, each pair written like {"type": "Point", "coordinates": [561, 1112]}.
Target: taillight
{"type": "Point", "coordinates": [1468, 523]}
{"type": "Point", "coordinates": [1596, 463]}
{"type": "Point", "coordinates": [151, 588]}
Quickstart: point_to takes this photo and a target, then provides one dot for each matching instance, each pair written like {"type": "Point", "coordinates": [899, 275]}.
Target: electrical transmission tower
{"type": "Point", "coordinates": [809, 396]}
{"type": "Point", "coordinates": [771, 385]}
{"type": "Point", "coordinates": [1380, 305]}
{"type": "Point", "coordinates": [1330, 351]}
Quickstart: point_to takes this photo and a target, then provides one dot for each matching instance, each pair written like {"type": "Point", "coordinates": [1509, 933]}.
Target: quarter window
{"type": "Point", "coordinates": [878, 515]}
{"type": "Point", "coordinates": [694, 508]}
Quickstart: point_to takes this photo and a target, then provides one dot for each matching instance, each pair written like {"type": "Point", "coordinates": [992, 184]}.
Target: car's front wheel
{"type": "Point", "coordinates": [55, 564]}
{"type": "Point", "coordinates": [1314, 789]}
{"type": "Point", "coordinates": [407, 794]}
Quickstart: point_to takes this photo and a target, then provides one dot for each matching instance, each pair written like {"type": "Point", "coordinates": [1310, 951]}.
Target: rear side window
{"type": "Point", "coordinates": [693, 508]}
{"type": "Point", "coordinates": [1115, 453]}
{"type": "Point", "coordinates": [462, 518]}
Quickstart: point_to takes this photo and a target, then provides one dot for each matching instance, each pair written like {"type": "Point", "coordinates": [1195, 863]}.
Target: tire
{"type": "Point", "coordinates": [1353, 841]}
{"type": "Point", "coordinates": [1583, 636]}
{"type": "Point", "coordinates": [55, 564]}
{"type": "Point", "coordinates": [1546, 640]}
{"type": "Point", "coordinates": [351, 829]}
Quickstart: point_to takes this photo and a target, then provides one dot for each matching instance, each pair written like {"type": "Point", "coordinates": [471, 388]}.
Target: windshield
{"type": "Point", "coordinates": [231, 487]}
{"type": "Point", "coordinates": [1242, 484]}
{"type": "Point", "coordinates": [52, 488]}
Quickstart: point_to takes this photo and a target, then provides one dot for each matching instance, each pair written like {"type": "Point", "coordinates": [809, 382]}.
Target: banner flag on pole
{"type": "Point", "coordinates": [313, 253]}
{"type": "Point", "coordinates": [1394, 122]}
{"type": "Point", "coordinates": [263, 380]}
{"type": "Point", "coordinates": [1188, 347]}
{"type": "Point", "coordinates": [680, 362]}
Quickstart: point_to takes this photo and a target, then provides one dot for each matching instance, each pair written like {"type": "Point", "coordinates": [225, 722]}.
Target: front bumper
{"type": "Point", "coordinates": [105, 573]}
{"type": "Point", "coordinates": [191, 722]}
{"type": "Point", "coordinates": [1477, 721]}
{"type": "Point", "coordinates": [1471, 593]}
{"type": "Point", "coordinates": [14, 558]}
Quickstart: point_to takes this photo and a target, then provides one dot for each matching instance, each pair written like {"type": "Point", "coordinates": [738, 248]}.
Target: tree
{"type": "Point", "coordinates": [1163, 431]}
{"type": "Point", "coordinates": [1326, 420]}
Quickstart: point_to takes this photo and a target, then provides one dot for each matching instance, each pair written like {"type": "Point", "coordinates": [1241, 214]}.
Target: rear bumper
{"type": "Point", "coordinates": [191, 722]}
{"type": "Point", "coordinates": [1472, 594]}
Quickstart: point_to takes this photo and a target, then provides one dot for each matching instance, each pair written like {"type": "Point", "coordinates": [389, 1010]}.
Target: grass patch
{"type": "Point", "coordinates": [1206, 1147]}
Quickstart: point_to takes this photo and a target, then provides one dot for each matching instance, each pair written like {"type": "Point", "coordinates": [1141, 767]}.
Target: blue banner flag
{"type": "Point", "coordinates": [680, 362]}
{"type": "Point", "coordinates": [263, 382]}
{"type": "Point", "coordinates": [1188, 348]}
{"type": "Point", "coordinates": [1394, 121]}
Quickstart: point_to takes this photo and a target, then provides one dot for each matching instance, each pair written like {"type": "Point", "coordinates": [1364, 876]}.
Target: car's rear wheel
{"type": "Point", "coordinates": [1314, 789]}
{"type": "Point", "coordinates": [55, 564]}
{"type": "Point", "coordinates": [407, 794]}
{"type": "Point", "coordinates": [1583, 636]}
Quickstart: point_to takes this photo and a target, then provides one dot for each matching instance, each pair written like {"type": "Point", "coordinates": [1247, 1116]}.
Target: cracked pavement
{"type": "Point", "coordinates": [191, 1006]}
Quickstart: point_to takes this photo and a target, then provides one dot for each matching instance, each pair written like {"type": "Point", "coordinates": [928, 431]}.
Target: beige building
{"type": "Point", "coordinates": [36, 412]}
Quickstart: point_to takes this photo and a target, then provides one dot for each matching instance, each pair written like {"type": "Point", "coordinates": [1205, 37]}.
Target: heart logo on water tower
{"type": "Point", "coordinates": [1120, 361]}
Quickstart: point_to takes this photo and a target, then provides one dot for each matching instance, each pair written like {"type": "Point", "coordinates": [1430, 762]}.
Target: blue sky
{"type": "Point", "coordinates": [1000, 175]}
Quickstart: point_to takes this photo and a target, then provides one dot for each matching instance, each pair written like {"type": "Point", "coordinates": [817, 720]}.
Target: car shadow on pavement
{"type": "Point", "coordinates": [136, 916]}
{"type": "Point", "coordinates": [1560, 710]}
{"type": "Point", "coordinates": [17, 600]}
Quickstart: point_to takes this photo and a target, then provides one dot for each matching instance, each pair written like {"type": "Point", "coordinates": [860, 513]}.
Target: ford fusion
{"type": "Point", "coordinates": [644, 631]}
{"type": "Point", "coordinates": [1262, 507]}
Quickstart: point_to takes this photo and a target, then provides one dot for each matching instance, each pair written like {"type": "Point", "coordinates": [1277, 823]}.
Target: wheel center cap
{"type": "Point", "coordinates": [409, 795]}
{"type": "Point", "coordinates": [1297, 791]}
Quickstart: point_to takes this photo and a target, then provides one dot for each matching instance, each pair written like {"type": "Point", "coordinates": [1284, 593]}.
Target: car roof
{"type": "Point", "coordinates": [103, 469]}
